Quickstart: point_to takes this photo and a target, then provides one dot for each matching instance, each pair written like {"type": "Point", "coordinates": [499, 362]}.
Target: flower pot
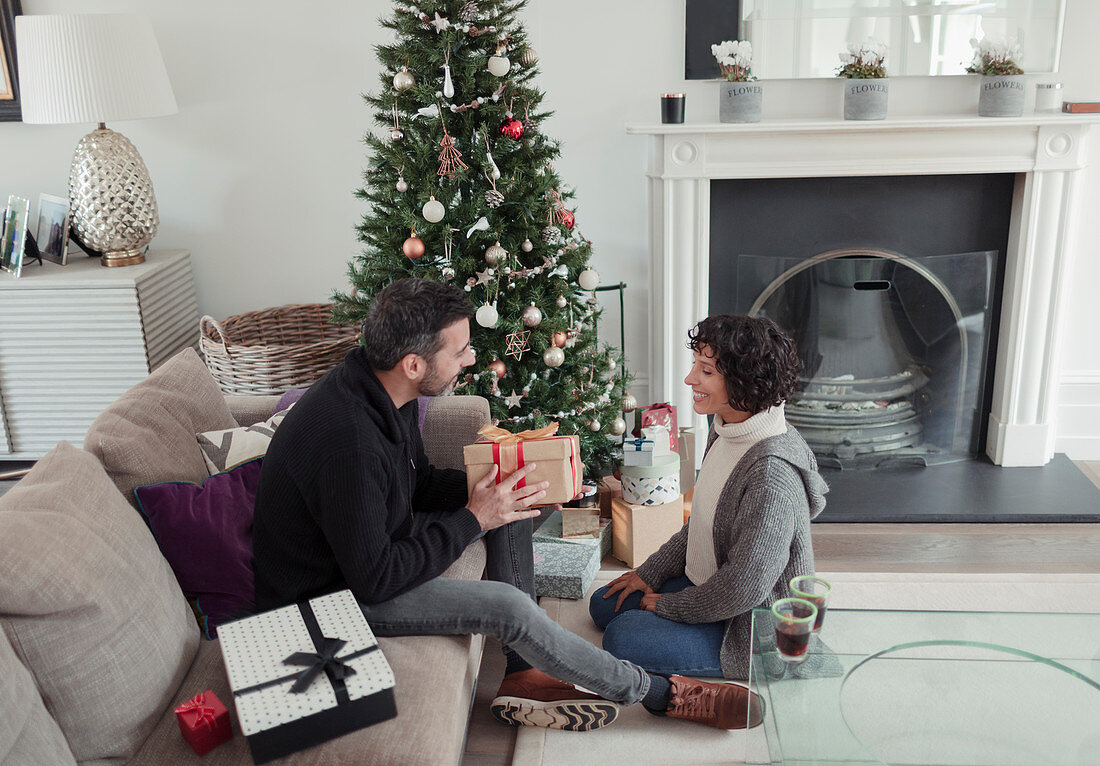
{"type": "Point", "coordinates": [865, 99]}
{"type": "Point", "coordinates": [1002, 96]}
{"type": "Point", "coordinates": [740, 102]}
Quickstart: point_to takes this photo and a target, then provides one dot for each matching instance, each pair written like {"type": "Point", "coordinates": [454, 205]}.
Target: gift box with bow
{"type": "Point", "coordinates": [661, 414]}
{"type": "Point", "coordinates": [643, 449]}
{"type": "Point", "coordinates": [204, 722]}
{"type": "Point", "coordinates": [558, 459]}
{"type": "Point", "coordinates": [305, 674]}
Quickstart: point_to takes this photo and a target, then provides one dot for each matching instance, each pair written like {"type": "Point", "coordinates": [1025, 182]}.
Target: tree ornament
{"type": "Point", "coordinates": [413, 247]}
{"type": "Point", "coordinates": [499, 65]}
{"type": "Point", "coordinates": [403, 80]}
{"type": "Point", "coordinates": [618, 426]}
{"type": "Point", "coordinates": [512, 128]}
{"type": "Point", "coordinates": [494, 198]}
{"type": "Point", "coordinates": [594, 425]}
{"type": "Point", "coordinates": [529, 125]}
{"type": "Point", "coordinates": [529, 57]}
{"type": "Point", "coordinates": [553, 357]}
{"type": "Point", "coordinates": [629, 403]}
{"type": "Point", "coordinates": [402, 184]}
{"type": "Point", "coordinates": [433, 210]}
{"type": "Point", "coordinates": [482, 224]}
{"type": "Point", "coordinates": [499, 368]}
{"type": "Point", "coordinates": [486, 316]}
{"type": "Point", "coordinates": [567, 218]}
{"type": "Point", "coordinates": [551, 235]}
{"type": "Point", "coordinates": [396, 134]}
{"type": "Point", "coordinates": [450, 158]}
{"type": "Point", "coordinates": [532, 316]}
{"type": "Point", "coordinates": [561, 301]}
{"type": "Point", "coordinates": [527, 246]}
{"type": "Point", "coordinates": [468, 12]}
{"type": "Point", "coordinates": [489, 156]}
{"type": "Point", "coordinates": [447, 272]}
{"type": "Point", "coordinates": [517, 344]}
{"type": "Point", "coordinates": [513, 399]}
{"type": "Point", "coordinates": [559, 338]}
{"type": "Point", "coordinates": [588, 279]}
{"type": "Point", "coordinates": [448, 84]}
{"type": "Point", "coordinates": [494, 254]}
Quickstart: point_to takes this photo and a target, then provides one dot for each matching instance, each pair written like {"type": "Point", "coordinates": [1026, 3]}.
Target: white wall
{"type": "Point", "coordinates": [255, 174]}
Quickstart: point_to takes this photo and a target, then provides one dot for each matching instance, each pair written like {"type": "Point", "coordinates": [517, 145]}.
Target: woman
{"type": "Point", "coordinates": [688, 608]}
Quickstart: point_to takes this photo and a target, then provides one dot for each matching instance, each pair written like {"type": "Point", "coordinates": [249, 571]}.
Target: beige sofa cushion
{"type": "Point", "coordinates": [148, 435]}
{"type": "Point", "coordinates": [28, 736]}
{"type": "Point", "coordinates": [90, 605]}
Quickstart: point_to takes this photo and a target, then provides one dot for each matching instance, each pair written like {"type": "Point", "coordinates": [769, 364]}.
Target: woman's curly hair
{"type": "Point", "coordinates": [758, 360]}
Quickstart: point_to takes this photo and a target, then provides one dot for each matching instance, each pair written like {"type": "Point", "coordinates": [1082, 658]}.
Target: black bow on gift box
{"type": "Point", "coordinates": [323, 660]}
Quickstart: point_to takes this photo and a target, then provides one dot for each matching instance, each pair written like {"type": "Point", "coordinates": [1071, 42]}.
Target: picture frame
{"type": "Point", "coordinates": [16, 217]}
{"type": "Point", "coordinates": [10, 110]}
{"type": "Point", "coordinates": [52, 230]}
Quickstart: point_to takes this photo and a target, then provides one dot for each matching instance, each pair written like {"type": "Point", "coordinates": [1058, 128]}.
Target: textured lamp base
{"type": "Point", "coordinates": [123, 258]}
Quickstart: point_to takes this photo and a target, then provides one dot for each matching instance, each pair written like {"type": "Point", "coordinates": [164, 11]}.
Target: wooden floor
{"type": "Point", "coordinates": [964, 548]}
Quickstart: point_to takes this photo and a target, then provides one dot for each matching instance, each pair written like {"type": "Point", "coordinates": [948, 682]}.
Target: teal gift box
{"type": "Point", "coordinates": [565, 570]}
{"type": "Point", "coordinates": [551, 532]}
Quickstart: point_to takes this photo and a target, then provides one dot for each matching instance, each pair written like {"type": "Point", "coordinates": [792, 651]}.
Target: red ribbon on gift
{"type": "Point", "coordinates": [508, 458]}
{"type": "Point", "coordinates": [197, 707]}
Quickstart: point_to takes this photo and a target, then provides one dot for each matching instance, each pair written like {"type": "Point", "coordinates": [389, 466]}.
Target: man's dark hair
{"type": "Point", "coordinates": [758, 360]}
{"type": "Point", "coordinates": [406, 318]}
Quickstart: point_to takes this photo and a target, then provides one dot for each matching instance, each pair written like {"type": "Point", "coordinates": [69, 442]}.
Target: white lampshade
{"type": "Point", "coordinates": [90, 68]}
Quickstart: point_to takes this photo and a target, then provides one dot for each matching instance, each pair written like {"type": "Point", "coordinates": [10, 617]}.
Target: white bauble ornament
{"type": "Point", "coordinates": [594, 425]}
{"type": "Point", "coordinates": [532, 317]}
{"type": "Point", "coordinates": [434, 211]}
{"type": "Point", "coordinates": [402, 184]}
{"type": "Point", "coordinates": [588, 279]}
{"type": "Point", "coordinates": [629, 403]}
{"type": "Point", "coordinates": [561, 302]}
{"type": "Point", "coordinates": [527, 246]}
{"type": "Point", "coordinates": [404, 80]}
{"type": "Point", "coordinates": [553, 357]}
{"type": "Point", "coordinates": [486, 316]}
{"type": "Point", "coordinates": [494, 254]}
{"type": "Point", "coordinates": [618, 426]}
{"type": "Point", "coordinates": [499, 65]}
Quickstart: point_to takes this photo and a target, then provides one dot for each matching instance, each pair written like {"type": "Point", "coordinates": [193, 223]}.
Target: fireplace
{"type": "Point", "coordinates": [1037, 156]}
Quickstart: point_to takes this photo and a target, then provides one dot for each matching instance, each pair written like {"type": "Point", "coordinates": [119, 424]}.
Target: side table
{"type": "Point", "coordinates": [73, 338]}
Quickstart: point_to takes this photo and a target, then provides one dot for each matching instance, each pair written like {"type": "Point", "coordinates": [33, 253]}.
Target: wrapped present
{"type": "Point", "coordinates": [637, 531]}
{"type": "Point", "coordinates": [552, 531]}
{"type": "Point", "coordinates": [558, 459]}
{"type": "Point", "coordinates": [565, 570]}
{"type": "Point", "coordinates": [580, 522]}
{"type": "Point", "coordinates": [608, 489]}
{"type": "Point", "coordinates": [642, 450]}
{"type": "Point", "coordinates": [661, 414]}
{"type": "Point", "coordinates": [204, 722]}
{"type": "Point", "coordinates": [687, 458]}
{"type": "Point", "coordinates": [652, 485]}
{"type": "Point", "coordinates": [304, 674]}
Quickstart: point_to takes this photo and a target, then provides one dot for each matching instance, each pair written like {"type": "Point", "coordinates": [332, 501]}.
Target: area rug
{"type": "Point", "coordinates": [639, 738]}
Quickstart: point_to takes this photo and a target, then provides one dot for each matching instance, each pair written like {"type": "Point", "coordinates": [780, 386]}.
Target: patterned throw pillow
{"type": "Point", "coordinates": [225, 450]}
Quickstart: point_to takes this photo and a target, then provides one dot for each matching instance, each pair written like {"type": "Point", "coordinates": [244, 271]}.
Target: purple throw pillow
{"type": "Point", "coordinates": [290, 397]}
{"type": "Point", "coordinates": [205, 533]}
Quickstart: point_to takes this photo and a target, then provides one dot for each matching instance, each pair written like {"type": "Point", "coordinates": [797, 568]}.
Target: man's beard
{"type": "Point", "coordinates": [432, 383]}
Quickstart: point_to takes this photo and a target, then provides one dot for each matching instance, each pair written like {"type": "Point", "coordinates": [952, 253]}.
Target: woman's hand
{"type": "Point", "coordinates": [624, 585]}
{"type": "Point", "coordinates": [649, 601]}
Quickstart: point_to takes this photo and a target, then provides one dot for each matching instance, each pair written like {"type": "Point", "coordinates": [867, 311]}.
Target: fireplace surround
{"type": "Point", "coordinates": [1044, 152]}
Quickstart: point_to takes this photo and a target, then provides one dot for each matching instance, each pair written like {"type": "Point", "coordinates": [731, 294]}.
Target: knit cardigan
{"type": "Point", "coordinates": [761, 541]}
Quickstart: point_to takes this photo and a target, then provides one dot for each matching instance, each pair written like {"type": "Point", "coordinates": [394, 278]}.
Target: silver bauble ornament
{"type": "Point", "coordinates": [553, 357]}
{"type": "Point", "coordinates": [396, 134]}
{"type": "Point", "coordinates": [532, 316]}
{"type": "Point", "coordinates": [404, 80]}
{"type": "Point", "coordinates": [618, 426]}
{"type": "Point", "coordinates": [561, 302]}
{"type": "Point", "coordinates": [433, 210]}
{"type": "Point", "coordinates": [527, 246]}
{"type": "Point", "coordinates": [486, 316]}
{"type": "Point", "coordinates": [593, 425]}
{"type": "Point", "coordinates": [499, 65]}
{"type": "Point", "coordinates": [494, 254]}
{"type": "Point", "coordinates": [402, 184]}
{"type": "Point", "coordinates": [529, 57]}
{"type": "Point", "coordinates": [588, 279]}
{"type": "Point", "coordinates": [629, 403]}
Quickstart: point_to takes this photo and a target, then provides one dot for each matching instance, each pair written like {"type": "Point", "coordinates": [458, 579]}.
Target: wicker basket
{"type": "Point", "coordinates": [274, 350]}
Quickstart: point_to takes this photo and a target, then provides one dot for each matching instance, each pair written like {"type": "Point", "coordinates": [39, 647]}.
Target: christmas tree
{"type": "Point", "coordinates": [462, 189]}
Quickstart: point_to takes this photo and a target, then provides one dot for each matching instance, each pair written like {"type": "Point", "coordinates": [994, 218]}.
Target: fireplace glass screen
{"type": "Point", "coordinates": [895, 349]}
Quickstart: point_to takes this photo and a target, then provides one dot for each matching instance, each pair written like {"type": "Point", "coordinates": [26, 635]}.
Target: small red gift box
{"type": "Point", "coordinates": [662, 414]}
{"type": "Point", "coordinates": [204, 722]}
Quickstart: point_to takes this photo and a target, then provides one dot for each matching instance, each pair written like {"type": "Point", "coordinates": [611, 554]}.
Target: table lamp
{"type": "Point", "coordinates": [98, 68]}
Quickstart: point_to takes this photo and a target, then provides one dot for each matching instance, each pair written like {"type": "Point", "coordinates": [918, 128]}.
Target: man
{"type": "Point", "coordinates": [347, 499]}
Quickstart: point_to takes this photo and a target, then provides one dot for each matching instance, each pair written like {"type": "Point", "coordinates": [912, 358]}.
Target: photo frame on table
{"type": "Point", "coordinates": [16, 216]}
{"type": "Point", "coordinates": [10, 110]}
{"type": "Point", "coordinates": [52, 231]}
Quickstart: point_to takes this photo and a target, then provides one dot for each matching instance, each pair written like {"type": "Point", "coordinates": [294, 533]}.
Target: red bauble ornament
{"type": "Point", "coordinates": [559, 338]}
{"type": "Point", "coordinates": [498, 367]}
{"type": "Point", "coordinates": [512, 128]}
{"type": "Point", "coordinates": [567, 218]}
{"type": "Point", "coordinates": [413, 247]}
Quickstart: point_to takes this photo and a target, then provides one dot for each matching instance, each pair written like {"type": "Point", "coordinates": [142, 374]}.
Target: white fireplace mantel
{"type": "Point", "coordinates": [1045, 151]}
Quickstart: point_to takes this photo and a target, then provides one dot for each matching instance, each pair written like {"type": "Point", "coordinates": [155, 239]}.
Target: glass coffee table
{"type": "Point", "coordinates": [909, 688]}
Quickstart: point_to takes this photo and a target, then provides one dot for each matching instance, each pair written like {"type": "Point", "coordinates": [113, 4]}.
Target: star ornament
{"type": "Point", "coordinates": [483, 277]}
{"type": "Point", "coordinates": [513, 399]}
{"type": "Point", "coordinates": [440, 24]}
{"type": "Point", "coordinates": [517, 344]}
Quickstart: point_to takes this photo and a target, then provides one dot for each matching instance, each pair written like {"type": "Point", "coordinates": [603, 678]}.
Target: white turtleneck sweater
{"type": "Point", "coordinates": [734, 440]}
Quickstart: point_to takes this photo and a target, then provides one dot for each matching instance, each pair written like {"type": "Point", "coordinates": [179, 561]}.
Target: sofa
{"type": "Point", "coordinates": [99, 643]}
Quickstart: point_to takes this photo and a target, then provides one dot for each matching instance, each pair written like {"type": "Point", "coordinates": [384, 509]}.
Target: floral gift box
{"type": "Point", "coordinates": [565, 570]}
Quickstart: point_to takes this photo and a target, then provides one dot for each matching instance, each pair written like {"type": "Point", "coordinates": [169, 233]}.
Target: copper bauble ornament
{"type": "Point", "coordinates": [512, 128]}
{"type": "Point", "coordinates": [618, 426]}
{"type": "Point", "coordinates": [629, 403]}
{"type": "Point", "coordinates": [499, 368]}
{"type": "Point", "coordinates": [559, 338]}
{"type": "Point", "coordinates": [532, 316]}
{"type": "Point", "coordinates": [553, 357]}
{"type": "Point", "coordinates": [413, 247]}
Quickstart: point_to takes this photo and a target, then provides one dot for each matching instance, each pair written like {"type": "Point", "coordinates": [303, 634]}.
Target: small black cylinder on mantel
{"type": "Point", "coordinates": [672, 107]}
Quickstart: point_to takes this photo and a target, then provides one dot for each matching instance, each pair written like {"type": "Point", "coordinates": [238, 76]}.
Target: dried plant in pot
{"type": "Point", "coordinates": [866, 87]}
{"type": "Point", "coordinates": [742, 96]}
{"type": "Point", "coordinates": [1003, 82]}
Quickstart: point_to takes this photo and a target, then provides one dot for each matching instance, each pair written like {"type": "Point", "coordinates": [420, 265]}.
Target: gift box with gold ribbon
{"type": "Point", "coordinates": [558, 460]}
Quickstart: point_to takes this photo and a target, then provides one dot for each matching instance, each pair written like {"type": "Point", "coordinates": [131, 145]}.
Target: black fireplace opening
{"type": "Point", "coordinates": [891, 287]}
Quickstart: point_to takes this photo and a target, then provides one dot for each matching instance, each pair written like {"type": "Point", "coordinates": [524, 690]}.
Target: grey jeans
{"type": "Point", "coordinates": [504, 607]}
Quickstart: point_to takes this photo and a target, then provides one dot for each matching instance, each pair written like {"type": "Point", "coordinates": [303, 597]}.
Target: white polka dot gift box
{"type": "Point", "coordinates": [305, 674]}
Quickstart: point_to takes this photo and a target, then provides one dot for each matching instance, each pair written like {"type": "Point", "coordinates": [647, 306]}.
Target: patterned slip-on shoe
{"type": "Point", "coordinates": [532, 698]}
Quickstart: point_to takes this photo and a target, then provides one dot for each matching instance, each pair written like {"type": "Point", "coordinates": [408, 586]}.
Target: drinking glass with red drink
{"type": "Point", "coordinates": [794, 623]}
{"type": "Point", "coordinates": [816, 591]}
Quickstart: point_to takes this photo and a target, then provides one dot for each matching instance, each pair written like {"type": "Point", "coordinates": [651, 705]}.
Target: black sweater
{"type": "Point", "coordinates": [347, 498]}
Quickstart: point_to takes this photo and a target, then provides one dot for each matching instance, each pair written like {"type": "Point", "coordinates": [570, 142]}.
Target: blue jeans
{"type": "Point", "coordinates": [656, 644]}
{"type": "Point", "coordinates": [505, 609]}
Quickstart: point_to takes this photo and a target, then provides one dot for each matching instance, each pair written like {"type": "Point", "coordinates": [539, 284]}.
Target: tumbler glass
{"type": "Point", "coordinates": [816, 591]}
{"type": "Point", "coordinates": [794, 624]}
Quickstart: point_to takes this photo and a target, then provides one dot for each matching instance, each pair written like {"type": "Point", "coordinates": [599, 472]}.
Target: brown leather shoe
{"type": "Point", "coordinates": [723, 706]}
{"type": "Point", "coordinates": [532, 698]}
